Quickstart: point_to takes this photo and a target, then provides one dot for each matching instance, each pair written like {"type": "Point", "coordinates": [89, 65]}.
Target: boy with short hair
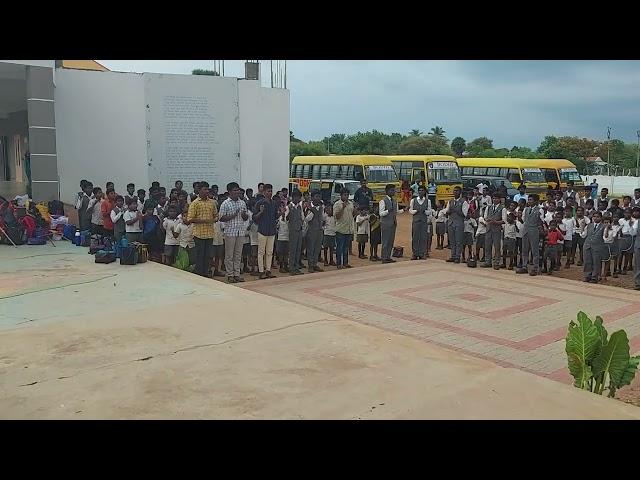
{"type": "Point", "coordinates": [116, 218]}
{"type": "Point", "coordinates": [581, 224]}
{"type": "Point", "coordinates": [95, 209]}
{"type": "Point", "coordinates": [509, 246]}
{"type": "Point", "coordinates": [171, 242]}
{"type": "Point", "coordinates": [568, 227]}
{"type": "Point", "coordinates": [329, 235]}
{"type": "Point", "coordinates": [131, 193]}
{"type": "Point", "coordinates": [470, 225]}
{"type": "Point", "coordinates": [441, 225]}
{"type": "Point", "coordinates": [133, 219]}
{"type": "Point", "coordinates": [481, 233]}
{"type": "Point", "coordinates": [362, 230]}
{"type": "Point", "coordinates": [610, 253]}
{"type": "Point", "coordinates": [552, 248]}
{"type": "Point", "coordinates": [593, 248]}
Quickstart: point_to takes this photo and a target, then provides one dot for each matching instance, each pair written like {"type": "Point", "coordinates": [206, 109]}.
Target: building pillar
{"type": "Point", "coordinates": [42, 134]}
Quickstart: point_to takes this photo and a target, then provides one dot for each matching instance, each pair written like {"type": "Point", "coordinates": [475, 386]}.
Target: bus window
{"type": "Point", "coordinates": [306, 171]}
{"type": "Point", "coordinates": [324, 171]}
{"type": "Point", "coordinates": [292, 173]}
{"type": "Point", "coordinates": [493, 171]}
{"type": "Point", "coordinates": [381, 174]}
{"type": "Point", "coordinates": [550, 174]}
{"type": "Point", "coordinates": [467, 170]}
{"type": "Point", "coordinates": [315, 172]}
{"type": "Point", "coordinates": [356, 173]}
{"type": "Point", "coordinates": [504, 172]}
{"type": "Point", "coordinates": [480, 171]}
{"type": "Point", "coordinates": [570, 174]}
{"type": "Point", "coordinates": [514, 176]}
{"type": "Point", "coordinates": [334, 171]}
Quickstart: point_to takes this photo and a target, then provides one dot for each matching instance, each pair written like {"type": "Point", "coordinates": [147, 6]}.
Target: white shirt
{"type": "Point", "coordinates": [382, 207]}
{"type": "Point", "coordinates": [135, 226]}
{"type": "Point", "coordinates": [362, 223]}
{"type": "Point", "coordinates": [567, 227]}
{"type": "Point", "coordinates": [329, 225]}
{"type": "Point", "coordinates": [626, 228]}
{"type": "Point", "coordinates": [96, 213]}
{"type": "Point", "coordinates": [510, 230]}
{"type": "Point", "coordinates": [116, 216]}
{"type": "Point", "coordinates": [546, 217]}
{"type": "Point", "coordinates": [465, 207]}
{"type": "Point", "coordinates": [185, 237]}
{"type": "Point", "coordinates": [283, 229]}
{"type": "Point", "coordinates": [441, 216]}
{"type": "Point", "coordinates": [253, 233]}
{"type": "Point", "coordinates": [581, 225]}
{"type": "Point", "coordinates": [518, 196]}
{"type": "Point", "coordinates": [169, 226]}
{"type": "Point", "coordinates": [485, 200]}
{"type": "Point", "coordinates": [610, 236]}
{"type": "Point", "coordinates": [520, 226]}
{"type": "Point", "coordinates": [420, 202]}
{"type": "Point", "coordinates": [469, 224]}
{"type": "Point", "coordinates": [218, 233]}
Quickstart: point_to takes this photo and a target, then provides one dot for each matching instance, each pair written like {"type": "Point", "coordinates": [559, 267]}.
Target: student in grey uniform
{"type": "Point", "coordinates": [295, 219]}
{"type": "Point", "coordinates": [494, 219]}
{"type": "Point", "coordinates": [531, 235]}
{"type": "Point", "coordinates": [457, 209]}
{"type": "Point", "coordinates": [314, 232]}
{"type": "Point", "coordinates": [593, 248]}
{"type": "Point", "coordinates": [420, 209]}
{"type": "Point", "coordinates": [388, 209]}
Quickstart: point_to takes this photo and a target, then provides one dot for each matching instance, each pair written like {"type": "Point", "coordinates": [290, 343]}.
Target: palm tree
{"type": "Point", "coordinates": [438, 131]}
{"type": "Point", "coordinates": [415, 133]}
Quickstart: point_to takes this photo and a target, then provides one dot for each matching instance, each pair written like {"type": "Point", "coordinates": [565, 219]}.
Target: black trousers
{"type": "Point", "coordinates": [204, 249]}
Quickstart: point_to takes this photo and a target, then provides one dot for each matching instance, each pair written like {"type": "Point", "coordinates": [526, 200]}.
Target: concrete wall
{"type": "Point", "coordinates": [33, 63]}
{"type": "Point", "coordinates": [264, 134]}
{"type": "Point", "coordinates": [100, 118]}
{"type": "Point", "coordinates": [618, 186]}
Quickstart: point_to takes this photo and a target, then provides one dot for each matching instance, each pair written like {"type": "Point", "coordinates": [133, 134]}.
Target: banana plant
{"type": "Point", "coordinates": [595, 359]}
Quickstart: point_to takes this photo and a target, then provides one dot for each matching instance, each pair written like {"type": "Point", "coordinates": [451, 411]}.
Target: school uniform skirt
{"type": "Point", "coordinates": [468, 239]}
{"type": "Point", "coordinates": [610, 251]}
{"type": "Point", "coordinates": [441, 228]}
{"type": "Point", "coordinates": [509, 245]}
{"type": "Point", "coordinates": [625, 244]}
{"type": "Point", "coordinates": [362, 238]}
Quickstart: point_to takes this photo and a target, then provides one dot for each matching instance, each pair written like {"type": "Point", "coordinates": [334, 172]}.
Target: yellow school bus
{"type": "Point", "coordinates": [442, 169]}
{"type": "Point", "coordinates": [376, 169]}
{"type": "Point", "coordinates": [558, 171]}
{"type": "Point", "coordinates": [516, 170]}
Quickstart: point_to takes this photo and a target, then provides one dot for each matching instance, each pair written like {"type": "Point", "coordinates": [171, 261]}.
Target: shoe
{"type": "Point", "coordinates": [376, 258]}
{"type": "Point", "coordinates": [238, 279]}
{"type": "Point", "coordinates": [414, 258]}
{"type": "Point", "coordinates": [386, 261]}
{"type": "Point", "coordinates": [550, 272]}
{"type": "Point", "coordinates": [587, 280]}
{"type": "Point", "coordinates": [297, 272]}
{"type": "Point", "coordinates": [391, 260]}
{"type": "Point", "coordinates": [365, 257]}
{"type": "Point", "coordinates": [456, 261]}
{"type": "Point", "coordinates": [593, 280]}
{"type": "Point", "coordinates": [263, 276]}
{"type": "Point", "coordinates": [579, 264]}
{"type": "Point", "coordinates": [347, 266]}
{"type": "Point", "coordinates": [317, 269]}
{"type": "Point", "coordinates": [615, 275]}
{"type": "Point", "coordinates": [255, 273]}
{"type": "Point", "coordinates": [450, 260]}
{"type": "Point", "coordinates": [332, 263]}
{"type": "Point", "coordinates": [372, 259]}
{"type": "Point", "coordinates": [218, 273]}
{"type": "Point", "coordinates": [503, 266]}
{"type": "Point", "coordinates": [486, 265]}
{"type": "Point", "coordinates": [311, 270]}
{"type": "Point", "coordinates": [567, 266]}
{"type": "Point", "coordinates": [326, 264]}
{"type": "Point", "coordinates": [270, 275]}
{"type": "Point", "coordinates": [231, 280]}
{"type": "Point", "coordinates": [637, 287]}
{"type": "Point", "coordinates": [521, 270]}
{"type": "Point", "coordinates": [497, 267]}
{"type": "Point", "coordinates": [533, 273]}
{"type": "Point", "coordinates": [510, 267]}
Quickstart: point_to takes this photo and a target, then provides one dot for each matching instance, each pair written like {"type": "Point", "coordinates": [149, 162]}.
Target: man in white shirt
{"type": "Point", "coordinates": [521, 193]}
{"type": "Point", "coordinates": [233, 213]}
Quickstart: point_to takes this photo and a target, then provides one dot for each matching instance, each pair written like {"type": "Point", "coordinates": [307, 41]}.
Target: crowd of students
{"type": "Point", "coordinates": [232, 233]}
{"type": "Point", "coordinates": [533, 237]}
{"type": "Point", "coordinates": [235, 232]}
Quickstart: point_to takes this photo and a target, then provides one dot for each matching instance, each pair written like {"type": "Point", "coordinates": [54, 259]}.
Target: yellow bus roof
{"type": "Point", "coordinates": [553, 163]}
{"type": "Point", "coordinates": [342, 160]}
{"type": "Point", "coordinates": [494, 162]}
{"type": "Point", "coordinates": [423, 158]}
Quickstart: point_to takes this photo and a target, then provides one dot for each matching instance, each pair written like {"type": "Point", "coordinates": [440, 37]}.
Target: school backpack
{"type": "Point", "coordinates": [472, 263]}
{"type": "Point", "coordinates": [104, 256]}
{"type": "Point", "coordinates": [129, 255]}
{"type": "Point", "coordinates": [397, 252]}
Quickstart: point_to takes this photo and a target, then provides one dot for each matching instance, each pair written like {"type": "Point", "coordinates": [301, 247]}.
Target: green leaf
{"type": "Point", "coordinates": [602, 332]}
{"type": "Point", "coordinates": [629, 372]}
{"type": "Point", "coordinates": [582, 344]}
{"type": "Point", "coordinates": [613, 360]}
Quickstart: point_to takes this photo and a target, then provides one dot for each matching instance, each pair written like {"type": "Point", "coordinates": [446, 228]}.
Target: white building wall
{"type": "Point", "coordinates": [100, 130]}
{"type": "Point", "coordinates": [33, 63]}
{"type": "Point", "coordinates": [264, 135]}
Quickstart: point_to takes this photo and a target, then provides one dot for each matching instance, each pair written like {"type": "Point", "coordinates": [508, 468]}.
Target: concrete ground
{"type": "Point", "coordinates": [80, 340]}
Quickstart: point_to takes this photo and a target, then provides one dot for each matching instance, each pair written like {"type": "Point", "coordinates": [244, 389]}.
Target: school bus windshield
{"type": "Point", "coordinates": [567, 174]}
{"type": "Point", "coordinates": [533, 175]}
{"type": "Point", "coordinates": [381, 174]}
{"type": "Point", "coordinates": [447, 172]}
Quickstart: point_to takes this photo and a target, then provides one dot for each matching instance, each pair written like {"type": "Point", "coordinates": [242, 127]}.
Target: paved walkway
{"type": "Point", "coordinates": [512, 321]}
{"type": "Point", "coordinates": [80, 340]}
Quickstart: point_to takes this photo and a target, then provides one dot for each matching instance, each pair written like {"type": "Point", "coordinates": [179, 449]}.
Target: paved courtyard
{"type": "Point", "coordinates": [80, 340]}
{"type": "Point", "coordinates": [513, 321]}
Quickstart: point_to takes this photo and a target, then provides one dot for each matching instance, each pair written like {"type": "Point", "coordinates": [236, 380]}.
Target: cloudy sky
{"type": "Point", "coordinates": [513, 102]}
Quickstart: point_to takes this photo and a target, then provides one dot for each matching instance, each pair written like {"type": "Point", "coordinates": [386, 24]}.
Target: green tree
{"type": "Point", "coordinates": [522, 152]}
{"type": "Point", "coordinates": [437, 131]}
{"type": "Point", "coordinates": [415, 133]}
{"type": "Point", "coordinates": [476, 146]}
{"type": "Point", "coordinates": [458, 145]}
{"type": "Point", "coordinates": [301, 148]}
{"type": "Point", "coordinates": [425, 145]}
